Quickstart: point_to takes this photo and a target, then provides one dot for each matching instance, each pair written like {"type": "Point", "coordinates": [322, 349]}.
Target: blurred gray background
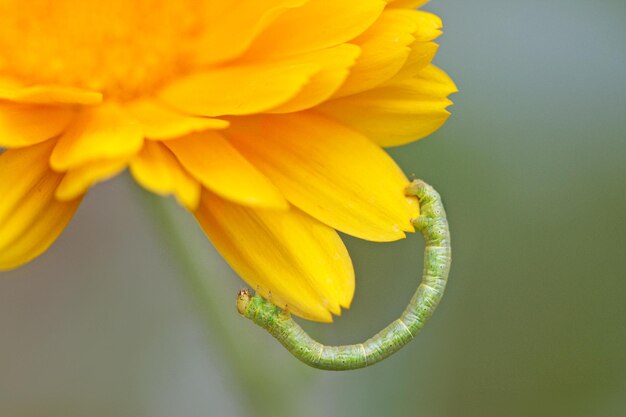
{"type": "Point", "coordinates": [532, 166]}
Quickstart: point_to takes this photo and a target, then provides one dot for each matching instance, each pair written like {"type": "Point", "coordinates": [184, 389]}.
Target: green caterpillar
{"type": "Point", "coordinates": [433, 225]}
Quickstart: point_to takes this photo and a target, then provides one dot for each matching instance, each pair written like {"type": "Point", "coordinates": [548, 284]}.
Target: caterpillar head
{"type": "Point", "coordinates": [243, 300]}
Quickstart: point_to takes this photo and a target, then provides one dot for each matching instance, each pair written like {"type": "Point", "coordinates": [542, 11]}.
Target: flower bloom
{"type": "Point", "coordinates": [264, 118]}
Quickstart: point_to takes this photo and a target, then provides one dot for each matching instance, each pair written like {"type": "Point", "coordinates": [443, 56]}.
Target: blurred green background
{"type": "Point", "coordinates": [532, 166]}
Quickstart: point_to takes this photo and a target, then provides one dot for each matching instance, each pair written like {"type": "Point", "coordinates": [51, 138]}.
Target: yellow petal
{"type": "Point", "coordinates": [423, 50]}
{"type": "Point", "coordinates": [398, 43]}
{"type": "Point", "coordinates": [77, 181]}
{"type": "Point", "coordinates": [428, 25]}
{"type": "Point", "coordinates": [213, 161]}
{"type": "Point", "coordinates": [46, 94]}
{"type": "Point", "coordinates": [158, 170]}
{"type": "Point", "coordinates": [24, 125]}
{"type": "Point", "coordinates": [30, 218]}
{"type": "Point", "coordinates": [421, 55]}
{"type": "Point", "coordinates": [239, 89]}
{"type": "Point", "coordinates": [335, 22]}
{"type": "Point", "coordinates": [8, 86]}
{"type": "Point", "coordinates": [161, 123]}
{"type": "Point", "coordinates": [20, 171]}
{"type": "Point", "coordinates": [385, 48]}
{"type": "Point", "coordinates": [102, 132]}
{"type": "Point", "coordinates": [236, 23]}
{"type": "Point", "coordinates": [329, 171]}
{"type": "Point", "coordinates": [334, 63]}
{"type": "Point", "coordinates": [397, 113]}
{"type": "Point", "coordinates": [287, 256]}
{"type": "Point", "coordinates": [410, 4]}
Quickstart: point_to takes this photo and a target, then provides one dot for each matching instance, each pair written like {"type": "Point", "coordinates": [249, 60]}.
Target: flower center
{"type": "Point", "coordinates": [121, 48]}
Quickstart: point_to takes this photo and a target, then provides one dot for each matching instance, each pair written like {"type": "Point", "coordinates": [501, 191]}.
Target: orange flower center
{"type": "Point", "coordinates": [118, 47]}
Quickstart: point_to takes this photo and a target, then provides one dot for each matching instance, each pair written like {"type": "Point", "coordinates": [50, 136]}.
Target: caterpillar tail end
{"type": "Point", "coordinates": [424, 192]}
{"type": "Point", "coordinates": [415, 188]}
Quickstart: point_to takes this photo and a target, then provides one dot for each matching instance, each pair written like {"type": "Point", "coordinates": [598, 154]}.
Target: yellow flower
{"type": "Point", "coordinates": [265, 118]}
